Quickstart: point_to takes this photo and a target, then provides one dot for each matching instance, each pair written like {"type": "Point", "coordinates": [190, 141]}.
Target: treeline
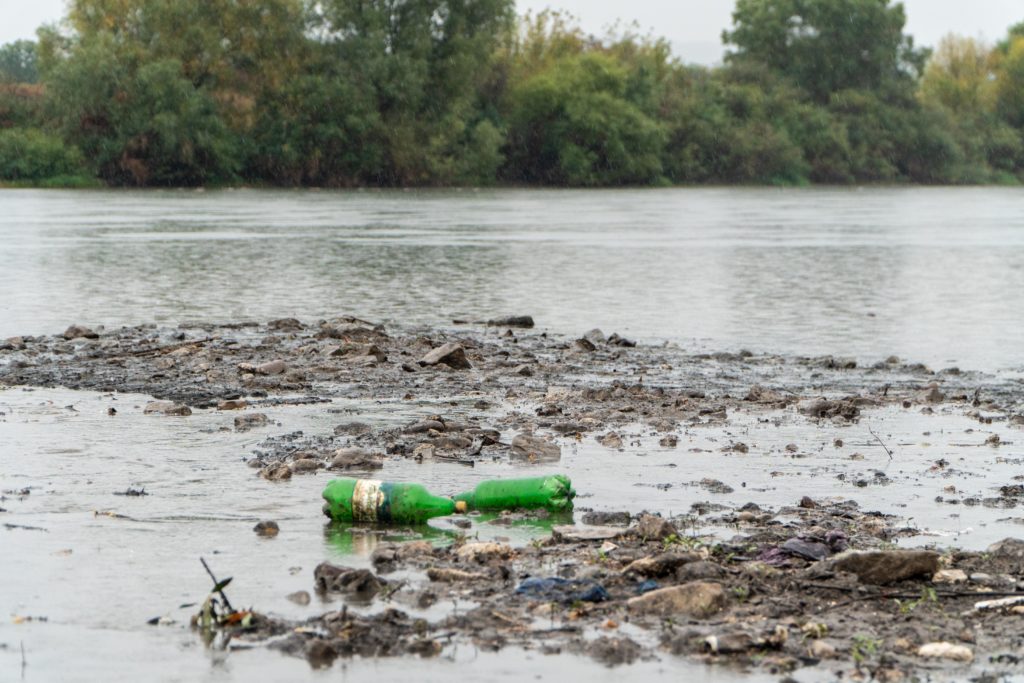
{"type": "Point", "coordinates": [463, 92]}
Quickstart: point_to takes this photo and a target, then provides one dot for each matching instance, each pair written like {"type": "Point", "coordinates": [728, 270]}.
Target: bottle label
{"type": "Point", "coordinates": [366, 500]}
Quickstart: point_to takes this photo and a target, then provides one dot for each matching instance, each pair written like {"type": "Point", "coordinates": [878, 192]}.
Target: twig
{"type": "Point", "coordinates": [24, 663]}
{"type": "Point", "coordinates": [227, 603]}
{"type": "Point", "coordinates": [879, 440]}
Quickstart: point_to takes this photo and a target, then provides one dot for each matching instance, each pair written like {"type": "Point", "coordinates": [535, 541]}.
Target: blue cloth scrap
{"type": "Point", "coordinates": [567, 591]}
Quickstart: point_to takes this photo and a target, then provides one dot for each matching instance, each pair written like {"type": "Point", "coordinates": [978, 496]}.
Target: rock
{"type": "Point", "coordinates": [824, 408]}
{"type": "Point", "coordinates": [482, 552]}
{"type": "Point", "coordinates": [523, 371]}
{"type": "Point", "coordinates": [933, 394]}
{"type": "Point", "coordinates": [577, 534]}
{"type": "Point", "coordinates": [884, 567]}
{"type": "Point", "coordinates": [452, 355]}
{"type": "Point", "coordinates": [595, 336]}
{"type": "Point", "coordinates": [950, 651]}
{"type": "Point", "coordinates": [670, 441]}
{"type": "Point", "coordinates": [358, 352]}
{"type": "Point", "coordinates": [598, 518]}
{"type": "Point", "coordinates": [244, 423]}
{"type": "Point", "coordinates": [79, 332]}
{"type": "Point", "coordinates": [233, 404]}
{"type": "Point", "coordinates": [356, 458]}
{"type": "Point", "coordinates": [701, 570]}
{"type": "Point", "coordinates": [276, 472]}
{"type": "Point", "coordinates": [284, 325]}
{"type": "Point", "coordinates": [950, 576]}
{"type": "Point", "coordinates": [443, 575]}
{"type": "Point", "coordinates": [616, 340]}
{"type": "Point", "coordinates": [583, 345]}
{"type": "Point", "coordinates": [660, 565]}
{"type": "Point", "coordinates": [614, 651]}
{"type": "Point", "coordinates": [715, 486]}
{"type": "Point", "coordinates": [167, 408]}
{"type": "Point", "coordinates": [267, 529]}
{"type": "Point", "coordinates": [698, 599]}
{"type": "Point", "coordinates": [535, 448]}
{"type": "Point", "coordinates": [819, 649]}
{"type": "Point", "coordinates": [360, 583]}
{"type": "Point", "coordinates": [760, 394]}
{"type": "Point", "coordinates": [521, 321]}
{"type": "Point", "coordinates": [651, 527]}
{"type": "Point", "coordinates": [300, 598]}
{"type": "Point", "coordinates": [1008, 548]}
{"type": "Point", "coordinates": [424, 426]}
{"type": "Point", "coordinates": [611, 440]}
{"type": "Point", "coordinates": [274, 367]}
{"type": "Point", "coordinates": [304, 466]}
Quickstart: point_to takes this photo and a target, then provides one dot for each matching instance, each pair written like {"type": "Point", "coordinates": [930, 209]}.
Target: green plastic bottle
{"type": "Point", "coordinates": [370, 500]}
{"type": "Point", "coordinates": [553, 493]}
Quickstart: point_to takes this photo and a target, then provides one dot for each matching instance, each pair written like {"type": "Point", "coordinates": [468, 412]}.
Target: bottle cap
{"type": "Point", "coordinates": [461, 507]}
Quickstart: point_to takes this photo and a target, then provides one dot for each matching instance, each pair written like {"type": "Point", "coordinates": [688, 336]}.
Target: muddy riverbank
{"type": "Point", "coordinates": [724, 497]}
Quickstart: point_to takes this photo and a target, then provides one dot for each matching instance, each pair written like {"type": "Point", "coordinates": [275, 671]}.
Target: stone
{"type": "Point", "coordinates": [267, 529]}
{"type": "Point", "coordinates": [302, 598]}
{"type": "Point", "coordinates": [616, 340]}
{"type": "Point", "coordinates": [698, 599]}
{"type": "Point", "coordinates": [360, 583]}
{"type": "Point", "coordinates": [535, 448]}
{"type": "Point", "coordinates": [819, 649]}
{"type": "Point", "coordinates": [652, 527]}
{"type": "Point", "coordinates": [304, 466]}
{"type": "Point", "coordinates": [595, 336]}
{"type": "Point", "coordinates": [702, 570]}
{"type": "Point", "coordinates": [884, 567]}
{"type": "Point", "coordinates": [274, 367]}
{"type": "Point", "coordinates": [451, 354]}
{"type": "Point", "coordinates": [576, 534]}
{"type": "Point", "coordinates": [933, 394]}
{"type": "Point", "coordinates": [79, 332]}
{"type": "Point", "coordinates": [583, 345]}
{"type": "Point", "coordinates": [284, 325]}
{"type": "Point", "coordinates": [1008, 548]}
{"type": "Point", "coordinates": [950, 576]}
{"type": "Point", "coordinates": [244, 423]}
{"type": "Point", "coordinates": [356, 458]}
{"type": "Point", "coordinates": [277, 472]}
{"type": "Point", "coordinates": [167, 408]}
{"type": "Point", "coordinates": [670, 441]}
{"type": "Point", "coordinates": [950, 651]}
{"type": "Point", "coordinates": [521, 321]}
{"type": "Point", "coordinates": [523, 371]}
{"type": "Point", "coordinates": [233, 404]}
{"type": "Point", "coordinates": [482, 552]}
{"type": "Point", "coordinates": [611, 440]}
{"type": "Point", "coordinates": [443, 575]}
{"type": "Point", "coordinates": [660, 565]}
{"type": "Point", "coordinates": [601, 518]}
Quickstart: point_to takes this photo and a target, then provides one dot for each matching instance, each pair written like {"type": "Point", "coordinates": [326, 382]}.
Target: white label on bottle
{"type": "Point", "coordinates": [366, 498]}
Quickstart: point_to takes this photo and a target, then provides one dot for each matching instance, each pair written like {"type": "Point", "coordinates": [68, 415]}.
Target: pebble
{"type": "Point", "coordinates": [452, 355]}
{"type": "Point", "coordinates": [950, 651]}
{"type": "Point", "coordinates": [267, 529]}
{"type": "Point", "coordinates": [167, 408]}
{"type": "Point", "coordinates": [244, 423]}
{"type": "Point", "coordinates": [698, 599]}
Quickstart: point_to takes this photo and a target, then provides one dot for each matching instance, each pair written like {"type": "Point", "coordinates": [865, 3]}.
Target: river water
{"type": "Point", "coordinates": [932, 275]}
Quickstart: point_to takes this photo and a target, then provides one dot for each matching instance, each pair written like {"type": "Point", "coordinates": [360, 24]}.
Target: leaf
{"type": "Point", "coordinates": [221, 585]}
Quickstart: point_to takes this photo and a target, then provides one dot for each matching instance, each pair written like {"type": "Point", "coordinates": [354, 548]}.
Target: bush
{"type": "Point", "coordinates": [32, 155]}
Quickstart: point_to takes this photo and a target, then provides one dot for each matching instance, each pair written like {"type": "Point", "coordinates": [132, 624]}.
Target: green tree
{"type": "Point", "coordinates": [18, 62]}
{"type": "Point", "coordinates": [825, 46]}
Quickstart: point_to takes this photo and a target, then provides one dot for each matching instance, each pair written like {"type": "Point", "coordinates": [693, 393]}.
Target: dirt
{"type": "Point", "coordinates": [814, 585]}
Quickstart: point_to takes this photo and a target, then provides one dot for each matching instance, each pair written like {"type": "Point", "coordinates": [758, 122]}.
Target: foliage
{"type": "Point", "coordinates": [29, 154]}
{"type": "Point", "coordinates": [18, 63]}
{"type": "Point", "coordinates": [445, 92]}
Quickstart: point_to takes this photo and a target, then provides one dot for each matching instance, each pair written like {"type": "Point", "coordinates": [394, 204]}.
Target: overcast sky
{"type": "Point", "coordinates": [693, 26]}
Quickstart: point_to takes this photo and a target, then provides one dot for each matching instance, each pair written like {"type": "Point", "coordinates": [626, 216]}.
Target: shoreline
{"type": "Point", "coordinates": [762, 586]}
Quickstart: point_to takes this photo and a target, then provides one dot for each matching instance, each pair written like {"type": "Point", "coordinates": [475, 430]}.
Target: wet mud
{"type": "Point", "coordinates": [819, 585]}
